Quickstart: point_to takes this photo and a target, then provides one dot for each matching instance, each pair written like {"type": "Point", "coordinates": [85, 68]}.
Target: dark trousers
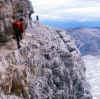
{"type": "Point", "coordinates": [18, 35]}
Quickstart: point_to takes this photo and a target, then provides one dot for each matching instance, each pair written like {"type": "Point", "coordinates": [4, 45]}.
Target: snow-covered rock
{"type": "Point", "coordinates": [48, 65]}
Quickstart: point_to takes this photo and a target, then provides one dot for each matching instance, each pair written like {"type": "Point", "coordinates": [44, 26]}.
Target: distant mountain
{"type": "Point", "coordinates": [87, 39]}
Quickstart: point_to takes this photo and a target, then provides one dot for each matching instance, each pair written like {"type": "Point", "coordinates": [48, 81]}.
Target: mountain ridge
{"type": "Point", "coordinates": [87, 39]}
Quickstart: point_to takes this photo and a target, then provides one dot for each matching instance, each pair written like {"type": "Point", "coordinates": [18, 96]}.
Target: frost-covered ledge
{"type": "Point", "coordinates": [48, 66]}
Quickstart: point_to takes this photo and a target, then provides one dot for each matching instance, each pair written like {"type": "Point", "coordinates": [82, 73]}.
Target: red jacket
{"type": "Point", "coordinates": [18, 25]}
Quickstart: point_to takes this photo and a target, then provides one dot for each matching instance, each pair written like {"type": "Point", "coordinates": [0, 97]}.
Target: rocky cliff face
{"type": "Point", "coordinates": [8, 10]}
{"type": "Point", "coordinates": [48, 66]}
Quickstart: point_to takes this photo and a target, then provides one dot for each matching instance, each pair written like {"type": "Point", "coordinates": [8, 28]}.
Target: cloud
{"type": "Point", "coordinates": [93, 74]}
{"type": "Point", "coordinates": [78, 10]}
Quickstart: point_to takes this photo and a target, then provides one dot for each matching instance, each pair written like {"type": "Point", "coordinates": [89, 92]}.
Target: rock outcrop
{"type": "Point", "coordinates": [48, 66]}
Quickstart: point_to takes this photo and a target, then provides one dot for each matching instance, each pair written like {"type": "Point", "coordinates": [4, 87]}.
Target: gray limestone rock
{"type": "Point", "coordinates": [48, 66]}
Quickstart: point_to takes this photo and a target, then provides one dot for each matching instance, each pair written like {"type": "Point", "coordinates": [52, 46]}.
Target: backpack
{"type": "Point", "coordinates": [18, 26]}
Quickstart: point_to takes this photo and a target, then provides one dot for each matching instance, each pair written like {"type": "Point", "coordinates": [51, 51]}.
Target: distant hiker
{"type": "Point", "coordinates": [18, 27]}
{"type": "Point", "coordinates": [30, 17]}
{"type": "Point", "coordinates": [31, 12]}
{"type": "Point", "coordinates": [37, 18]}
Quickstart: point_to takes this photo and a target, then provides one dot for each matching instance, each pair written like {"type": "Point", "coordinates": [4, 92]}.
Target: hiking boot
{"type": "Point", "coordinates": [19, 47]}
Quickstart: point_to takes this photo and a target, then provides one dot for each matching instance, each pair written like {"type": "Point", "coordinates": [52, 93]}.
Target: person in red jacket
{"type": "Point", "coordinates": [18, 27]}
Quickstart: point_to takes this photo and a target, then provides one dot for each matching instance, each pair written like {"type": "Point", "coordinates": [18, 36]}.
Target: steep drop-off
{"type": "Point", "coordinates": [48, 66]}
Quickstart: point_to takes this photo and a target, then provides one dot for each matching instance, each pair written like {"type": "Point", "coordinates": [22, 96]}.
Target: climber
{"type": "Point", "coordinates": [30, 17]}
{"type": "Point", "coordinates": [18, 27]}
{"type": "Point", "coordinates": [31, 12]}
{"type": "Point", "coordinates": [37, 18]}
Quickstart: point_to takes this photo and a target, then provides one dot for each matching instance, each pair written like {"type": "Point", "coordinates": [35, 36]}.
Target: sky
{"type": "Point", "coordinates": [68, 11]}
